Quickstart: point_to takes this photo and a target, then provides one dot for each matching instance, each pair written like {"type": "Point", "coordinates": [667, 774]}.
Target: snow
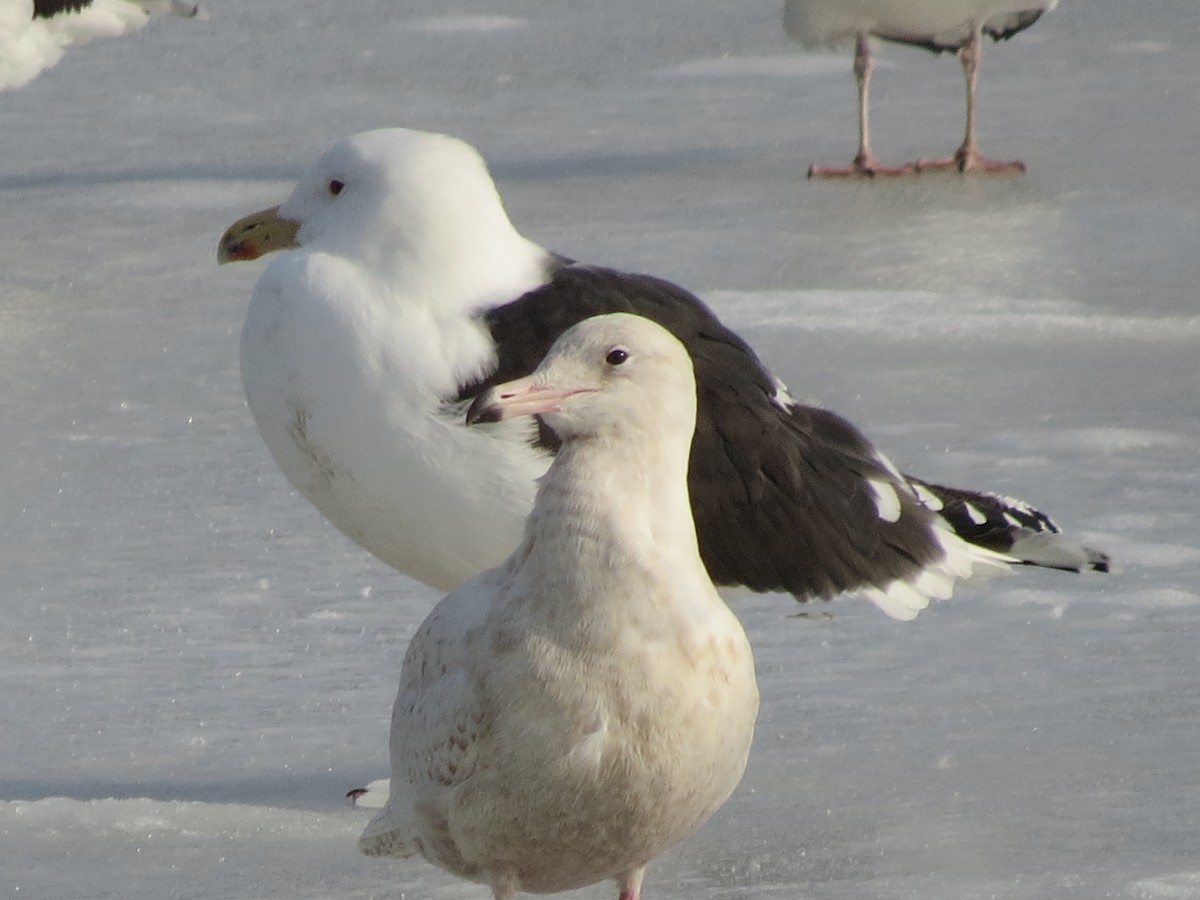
{"type": "Point", "coordinates": [196, 668]}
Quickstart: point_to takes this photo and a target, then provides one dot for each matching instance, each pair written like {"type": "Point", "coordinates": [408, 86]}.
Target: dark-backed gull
{"type": "Point", "coordinates": [405, 291]}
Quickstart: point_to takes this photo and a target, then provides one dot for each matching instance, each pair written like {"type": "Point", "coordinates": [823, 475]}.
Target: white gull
{"type": "Point", "coordinates": [936, 25]}
{"type": "Point", "coordinates": [406, 290]}
{"type": "Point", "coordinates": [568, 716]}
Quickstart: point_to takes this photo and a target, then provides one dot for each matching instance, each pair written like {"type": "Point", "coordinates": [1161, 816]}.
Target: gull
{"type": "Point", "coordinates": [566, 717]}
{"type": "Point", "coordinates": [404, 291]}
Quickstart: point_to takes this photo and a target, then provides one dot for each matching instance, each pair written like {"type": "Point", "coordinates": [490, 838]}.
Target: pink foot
{"type": "Point", "coordinates": [864, 166]}
{"type": "Point", "coordinates": [970, 161]}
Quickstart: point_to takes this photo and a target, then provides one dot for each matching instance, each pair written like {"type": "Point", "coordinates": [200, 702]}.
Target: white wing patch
{"type": "Point", "coordinates": [781, 397]}
{"type": "Point", "coordinates": [927, 497]}
{"type": "Point", "coordinates": [887, 501]}
{"type": "Point", "coordinates": [1021, 506]}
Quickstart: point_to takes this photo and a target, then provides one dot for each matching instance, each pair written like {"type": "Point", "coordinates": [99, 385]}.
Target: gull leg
{"type": "Point", "coordinates": [504, 886]}
{"type": "Point", "coordinates": [630, 884]}
{"type": "Point", "coordinates": [968, 158]}
{"type": "Point", "coordinates": [865, 163]}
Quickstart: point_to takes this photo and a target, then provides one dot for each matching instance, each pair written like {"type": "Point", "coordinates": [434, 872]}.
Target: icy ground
{"type": "Point", "coordinates": [194, 668]}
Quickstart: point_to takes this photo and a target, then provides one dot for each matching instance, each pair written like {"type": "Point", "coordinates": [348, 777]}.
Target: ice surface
{"type": "Point", "coordinates": [195, 668]}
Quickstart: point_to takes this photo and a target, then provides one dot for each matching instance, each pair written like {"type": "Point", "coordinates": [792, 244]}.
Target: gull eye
{"type": "Point", "coordinates": [616, 356]}
{"type": "Point", "coordinates": [335, 186]}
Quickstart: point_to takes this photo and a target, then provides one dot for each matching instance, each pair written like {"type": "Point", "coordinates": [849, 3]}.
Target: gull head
{"type": "Point", "coordinates": [382, 197]}
{"type": "Point", "coordinates": [608, 375]}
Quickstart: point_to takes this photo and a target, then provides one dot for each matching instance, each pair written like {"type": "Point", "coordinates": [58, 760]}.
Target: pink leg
{"type": "Point", "coordinates": [504, 887]}
{"type": "Point", "coordinates": [865, 163]}
{"type": "Point", "coordinates": [968, 158]}
{"type": "Point", "coordinates": [630, 884]}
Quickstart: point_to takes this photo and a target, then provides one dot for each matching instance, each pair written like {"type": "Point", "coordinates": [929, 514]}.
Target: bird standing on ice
{"type": "Point", "coordinates": [406, 291]}
{"type": "Point", "coordinates": [35, 33]}
{"type": "Point", "coordinates": [566, 717]}
{"type": "Point", "coordinates": [936, 25]}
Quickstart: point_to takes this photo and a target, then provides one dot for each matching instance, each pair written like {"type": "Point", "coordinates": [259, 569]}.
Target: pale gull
{"type": "Point", "coordinates": [568, 716]}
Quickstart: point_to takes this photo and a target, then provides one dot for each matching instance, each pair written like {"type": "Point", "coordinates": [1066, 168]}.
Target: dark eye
{"type": "Point", "coordinates": [616, 356]}
{"type": "Point", "coordinates": [335, 187]}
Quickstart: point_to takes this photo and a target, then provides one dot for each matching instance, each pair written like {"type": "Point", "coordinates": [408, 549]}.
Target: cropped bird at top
{"type": "Point", "coordinates": [35, 33]}
{"type": "Point", "coordinates": [405, 291]}
{"type": "Point", "coordinates": [568, 716]}
{"type": "Point", "coordinates": [936, 25]}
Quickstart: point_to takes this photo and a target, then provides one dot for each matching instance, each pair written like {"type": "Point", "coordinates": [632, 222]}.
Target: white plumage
{"type": "Point", "coordinates": [566, 717]}
{"type": "Point", "coordinates": [936, 25]}
{"type": "Point", "coordinates": [34, 34]}
{"type": "Point", "coordinates": [353, 343]}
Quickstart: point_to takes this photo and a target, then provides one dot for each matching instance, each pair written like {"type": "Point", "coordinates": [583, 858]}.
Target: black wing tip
{"type": "Point", "coordinates": [1024, 20]}
{"type": "Point", "coordinates": [1098, 560]}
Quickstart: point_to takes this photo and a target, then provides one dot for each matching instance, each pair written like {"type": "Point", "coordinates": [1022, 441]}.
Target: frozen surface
{"type": "Point", "coordinates": [195, 668]}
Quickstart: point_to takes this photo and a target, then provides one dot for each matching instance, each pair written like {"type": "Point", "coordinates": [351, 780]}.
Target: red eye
{"type": "Point", "coordinates": [335, 187]}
